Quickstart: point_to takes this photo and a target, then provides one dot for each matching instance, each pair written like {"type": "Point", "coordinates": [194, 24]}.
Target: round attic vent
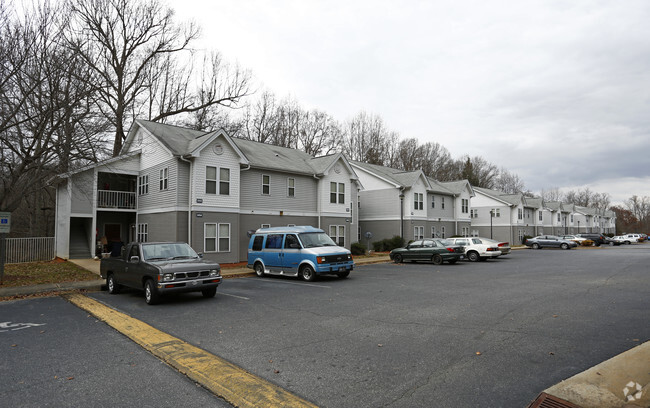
{"type": "Point", "coordinates": [217, 149]}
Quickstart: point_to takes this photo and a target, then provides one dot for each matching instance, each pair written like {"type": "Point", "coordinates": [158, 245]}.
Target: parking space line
{"type": "Point", "coordinates": [288, 283]}
{"type": "Point", "coordinates": [234, 384]}
{"type": "Point", "coordinates": [235, 296]}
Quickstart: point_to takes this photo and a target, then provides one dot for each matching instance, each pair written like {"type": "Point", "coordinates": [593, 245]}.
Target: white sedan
{"type": "Point", "coordinates": [477, 249]}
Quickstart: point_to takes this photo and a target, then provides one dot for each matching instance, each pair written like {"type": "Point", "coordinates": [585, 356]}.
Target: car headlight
{"type": "Point", "coordinates": [214, 272]}
{"type": "Point", "coordinates": [168, 277]}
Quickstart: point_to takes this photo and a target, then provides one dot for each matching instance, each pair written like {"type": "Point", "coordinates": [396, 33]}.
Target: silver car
{"type": "Point", "coordinates": [550, 241]}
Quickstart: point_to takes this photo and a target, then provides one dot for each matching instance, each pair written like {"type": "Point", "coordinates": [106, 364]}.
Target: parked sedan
{"type": "Point", "coordinates": [550, 241]}
{"type": "Point", "coordinates": [477, 249]}
{"type": "Point", "coordinates": [433, 250]}
{"type": "Point", "coordinates": [504, 247]}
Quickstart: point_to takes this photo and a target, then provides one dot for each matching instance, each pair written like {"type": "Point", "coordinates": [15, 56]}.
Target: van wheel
{"type": "Point", "coordinates": [343, 275]}
{"type": "Point", "coordinates": [307, 273]}
{"type": "Point", "coordinates": [259, 269]}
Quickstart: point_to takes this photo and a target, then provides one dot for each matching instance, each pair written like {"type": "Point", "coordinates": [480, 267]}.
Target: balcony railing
{"type": "Point", "coordinates": [123, 200]}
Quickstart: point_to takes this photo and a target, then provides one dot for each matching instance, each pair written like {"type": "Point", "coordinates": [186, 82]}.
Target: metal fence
{"type": "Point", "coordinates": [29, 249]}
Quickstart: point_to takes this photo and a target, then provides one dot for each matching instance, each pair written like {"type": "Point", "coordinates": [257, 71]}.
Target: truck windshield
{"type": "Point", "coordinates": [316, 239]}
{"type": "Point", "coordinates": [159, 252]}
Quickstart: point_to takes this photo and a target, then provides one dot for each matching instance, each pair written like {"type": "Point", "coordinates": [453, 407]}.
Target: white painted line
{"type": "Point", "coordinates": [289, 283]}
{"type": "Point", "coordinates": [235, 296]}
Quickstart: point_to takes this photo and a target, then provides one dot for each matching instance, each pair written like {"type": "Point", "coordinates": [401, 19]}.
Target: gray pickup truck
{"type": "Point", "coordinates": [160, 268]}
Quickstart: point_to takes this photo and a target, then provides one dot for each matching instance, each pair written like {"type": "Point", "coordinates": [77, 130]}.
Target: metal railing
{"type": "Point", "coordinates": [116, 199]}
{"type": "Point", "coordinates": [21, 250]}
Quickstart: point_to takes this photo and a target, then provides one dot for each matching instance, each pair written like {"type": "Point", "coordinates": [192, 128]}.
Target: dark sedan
{"type": "Point", "coordinates": [550, 241]}
{"type": "Point", "coordinates": [432, 250]}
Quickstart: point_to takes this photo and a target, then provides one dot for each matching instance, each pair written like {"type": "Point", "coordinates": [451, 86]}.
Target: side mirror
{"type": "Point", "coordinates": [134, 259]}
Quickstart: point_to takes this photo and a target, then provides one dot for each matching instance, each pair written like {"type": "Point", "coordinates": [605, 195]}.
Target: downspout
{"type": "Point", "coordinates": [189, 200]}
{"type": "Point", "coordinates": [318, 198]}
{"type": "Point", "coordinates": [455, 215]}
{"type": "Point", "coordinates": [401, 212]}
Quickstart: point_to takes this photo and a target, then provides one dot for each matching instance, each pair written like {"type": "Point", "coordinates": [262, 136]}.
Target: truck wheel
{"type": "Point", "coordinates": [307, 273]}
{"type": "Point", "coordinates": [151, 295]}
{"type": "Point", "coordinates": [113, 287]}
{"type": "Point", "coordinates": [209, 293]}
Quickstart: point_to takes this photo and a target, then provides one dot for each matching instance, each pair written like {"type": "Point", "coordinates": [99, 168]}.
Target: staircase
{"type": "Point", "coordinates": [78, 241]}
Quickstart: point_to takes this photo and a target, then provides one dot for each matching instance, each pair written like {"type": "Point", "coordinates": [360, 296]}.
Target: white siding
{"type": "Point", "coordinates": [379, 204]}
{"type": "Point", "coordinates": [371, 182]}
{"type": "Point", "coordinates": [342, 177]}
{"type": "Point", "coordinates": [82, 192]}
{"type": "Point", "coordinates": [227, 159]}
{"type": "Point", "coordinates": [153, 151]}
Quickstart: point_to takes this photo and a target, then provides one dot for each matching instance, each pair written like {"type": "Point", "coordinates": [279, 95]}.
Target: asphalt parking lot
{"type": "Point", "coordinates": [488, 334]}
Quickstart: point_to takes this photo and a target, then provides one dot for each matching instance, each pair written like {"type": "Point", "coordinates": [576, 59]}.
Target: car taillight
{"type": "Point", "coordinates": [503, 244]}
{"type": "Point", "coordinates": [451, 250]}
{"type": "Point", "coordinates": [491, 249]}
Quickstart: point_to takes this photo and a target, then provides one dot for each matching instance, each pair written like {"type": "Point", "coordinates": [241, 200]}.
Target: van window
{"type": "Point", "coordinates": [291, 242]}
{"type": "Point", "coordinates": [257, 243]}
{"type": "Point", "coordinates": [274, 241]}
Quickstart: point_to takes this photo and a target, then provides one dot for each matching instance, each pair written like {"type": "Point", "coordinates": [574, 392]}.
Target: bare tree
{"type": "Point", "coordinates": [319, 134]}
{"type": "Point", "coordinates": [132, 46]}
{"type": "Point", "coordinates": [509, 182]}
{"type": "Point", "coordinates": [368, 139]}
{"type": "Point", "coordinates": [478, 171]}
{"type": "Point", "coordinates": [552, 194]}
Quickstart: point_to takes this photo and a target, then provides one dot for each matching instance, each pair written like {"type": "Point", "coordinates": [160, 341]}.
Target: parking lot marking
{"type": "Point", "coordinates": [8, 326]}
{"type": "Point", "coordinates": [235, 296]}
{"type": "Point", "coordinates": [290, 283]}
{"type": "Point", "coordinates": [237, 386]}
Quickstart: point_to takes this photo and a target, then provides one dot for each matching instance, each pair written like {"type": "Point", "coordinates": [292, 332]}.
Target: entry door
{"type": "Point", "coordinates": [113, 232]}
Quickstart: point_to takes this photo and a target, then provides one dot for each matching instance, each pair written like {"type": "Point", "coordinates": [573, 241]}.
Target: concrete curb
{"type": "Point", "coordinates": [620, 382]}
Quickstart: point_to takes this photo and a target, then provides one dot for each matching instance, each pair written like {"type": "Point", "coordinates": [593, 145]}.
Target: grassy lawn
{"type": "Point", "coordinates": [35, 273]}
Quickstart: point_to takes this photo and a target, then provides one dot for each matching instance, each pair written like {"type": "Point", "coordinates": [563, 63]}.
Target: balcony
{"type": "Point", "coordinates": [121, 200]}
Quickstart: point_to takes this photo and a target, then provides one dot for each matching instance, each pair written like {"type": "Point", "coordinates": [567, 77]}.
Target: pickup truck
{"type": "Point", "coordinates": [160, 268]}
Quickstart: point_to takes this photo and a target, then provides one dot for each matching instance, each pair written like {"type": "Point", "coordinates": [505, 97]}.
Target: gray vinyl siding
{"type": "Point", "coordinates": [182, 183]}
{"type": "Point", "coordinates": [82, 192]}
{"type": "Point", "coordinates": [157, 198]}
{"type": "Point", "coordinates": [164, 226]}
{"type": "Point", "coordinates": [380, 230]}
{"type": "Point", "coordinates": [208, 217]}
{"type": "Point", "coordinates": [305, 199]}
{"type": "Point", "coordinates": [253, 222]}
{"type": "Point", "coordinates": [350, 236]}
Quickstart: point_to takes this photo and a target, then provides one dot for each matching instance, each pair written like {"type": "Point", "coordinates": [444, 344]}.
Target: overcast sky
{"type": "Point", "coordinates": [557, 92]}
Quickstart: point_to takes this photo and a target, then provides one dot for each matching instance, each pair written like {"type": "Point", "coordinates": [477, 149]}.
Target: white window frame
{"type": "Point", "coordinates": [337, 193]}
{"type": "Point", "coordinates": [224, 182]}
{"type": "Point", "coordinates": [474, 213]}
{"type": "Point", "coordinates": [337, 233]}
{"type": "Point", "coordinates": [496, 212]}
{"type": "Point", "coordinates": [418, 201]}
{"type": "Point", "coordinates": [442, 203]}
{"type": "Point", "coordinates": [541, 216]}
{"type": "Point", "coordinates": [291, 187]}
{"type": "Point", "coordinates": [418, 232]}
{"type": "Point", "coordinates": [464, 205]}
{"type": "Point", "coordinates": [267, 184]}
{"type": "Point", "coordinates": [164, 179]}
{"type": "Point", "coordinates": [143, 184]}
{"type": "Point", "coordinates": [433, 201]}
{"type": "Point", "coordinates": [443, 232]}
{"type": "Point", "coordinates": [142, 234]}
{"type": "Point", "coordinates": [217, 237]}
{"type": "Point", "coordinates": [520, 214]}
{"type": "Point", "coordinates": [433, 232]}
{"type": "Point", "coordinates": [213, 181]}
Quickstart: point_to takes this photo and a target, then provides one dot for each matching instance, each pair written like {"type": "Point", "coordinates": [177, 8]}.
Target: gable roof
{"type": "Point", "coordinates": [457, 187]}
{"type": "Point", "coordinates": [399, 178]}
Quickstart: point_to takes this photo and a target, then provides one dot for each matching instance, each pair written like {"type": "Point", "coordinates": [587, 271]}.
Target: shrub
{"type": "Point", "coordinates": [587, 242]}
{"type": "Point", "coordinates": [388, 244]}
{"type": "Point", "coordinates": [358, 248]}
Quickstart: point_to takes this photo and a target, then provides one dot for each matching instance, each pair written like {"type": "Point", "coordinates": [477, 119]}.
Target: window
{"type": "Point", "coordinates": [558, 217]}
{"type": "Point", "coordinates": [210, 180]}
{"type": "Point", "coordinates": [266, 184]}
{"type": "Point", "coordinates": [418, 232]}
{"type": "Point", "coordinates": [433, 232]}
{"type": "Point", "coordinates": [465, 231]}
{"type": "Point", "coordinates": [474, 213]}
{"type": "Point", "coordinates": [572, 218]}
{"type": "Point", "coordinates": [337, 233]}
{"type": "Point", "coordinates": [464, 205]}
{"type": "Point", "coordinates": [143, 185]}
{"type": "Point", "coordinates": [443, 232]}
{"type": "Point", "coordinates": [143, 232]}
{"type": "Point", "coordinates": [274, 241]}
{"type": "Point", "coordinates": [433, 201]}
{"type": "Point", "coordinates": [442, 203]}
{"type": "Point", "coordinates": [475, 233]}
{"type": "Point", "coordinates": [520, 213]}
{"type": "Point", "coordinates": [540, 216]}
{"type": "Point", "coordinates": [224, 181]}
{"type": "Point", "coordinates": [496, 212]}
{"type": "Point", "coordinates": [291, 242]}
{"type": "Point", "coordinates": [337, 193]}
{"type": "Point", "coordinates": [291, 187]}
{"type": "Point", "coordinates": [216, 237]}
{"type": "Point", "coordinates": [418, 201]}
{"type": "Point", "coordinates": [164, 178]}
{"type": "Point", "coordinates": [257, 243]}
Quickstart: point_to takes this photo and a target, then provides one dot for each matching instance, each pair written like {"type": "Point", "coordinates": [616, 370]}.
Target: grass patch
{"type": "Point", "coordinates": [34, 273]}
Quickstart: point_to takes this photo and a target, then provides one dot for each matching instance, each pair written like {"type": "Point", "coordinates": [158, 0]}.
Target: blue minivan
{"type": "Point", "coordinates": [302, 251]}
